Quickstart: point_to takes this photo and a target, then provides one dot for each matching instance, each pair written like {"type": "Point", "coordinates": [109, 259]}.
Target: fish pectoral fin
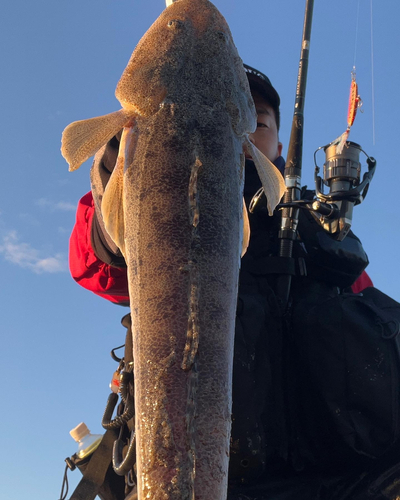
{"type": "Point", "coordinates": [112, 204]}
{"type": "Point", "coordinates": [246, 230]}
{"type": "Point", "coordinates": [271, 179]}
{"type": "Point", "coordinates": [82, 139]}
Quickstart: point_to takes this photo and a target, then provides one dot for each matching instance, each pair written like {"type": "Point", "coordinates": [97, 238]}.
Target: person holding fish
{"type": "Point", "coordinates": [235, 395]}
{"type": "Point", "coordinates": [287, 441]}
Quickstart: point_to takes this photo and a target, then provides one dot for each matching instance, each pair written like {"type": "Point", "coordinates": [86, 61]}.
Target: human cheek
{"type": "Point", "coordinates": [267, 142]}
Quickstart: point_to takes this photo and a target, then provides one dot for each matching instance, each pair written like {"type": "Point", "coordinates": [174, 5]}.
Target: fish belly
{"type": "Point", "coordinates": [182, 203]}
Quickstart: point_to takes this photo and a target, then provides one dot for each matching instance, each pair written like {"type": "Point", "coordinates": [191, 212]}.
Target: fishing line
{"type": "Point", "coordinates": [356, 36]}
{"type": "Point", "coordinates": [372, 77]}
{"type": "Point", "coordinates": [372, 62]}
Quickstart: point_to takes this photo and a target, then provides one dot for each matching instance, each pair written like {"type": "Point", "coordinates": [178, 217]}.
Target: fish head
{"type": "Point", "coordinates": [188, 55]}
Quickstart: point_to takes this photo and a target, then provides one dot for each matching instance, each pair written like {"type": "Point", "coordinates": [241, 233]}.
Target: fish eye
{"type": "Point", "coordinates": [222, 36]}
{"type": "Point", "coordinates": [175, 24]}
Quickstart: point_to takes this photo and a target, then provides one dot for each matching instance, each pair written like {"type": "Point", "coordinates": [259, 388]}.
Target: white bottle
{"type": "Point", "coordinates": [87, 442]}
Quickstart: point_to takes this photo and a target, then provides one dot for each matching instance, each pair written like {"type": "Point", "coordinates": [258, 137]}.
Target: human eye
{"type": "Point", "coordinates": [262, 125]}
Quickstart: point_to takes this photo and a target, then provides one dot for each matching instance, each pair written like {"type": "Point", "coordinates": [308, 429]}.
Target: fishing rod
{"type": "Point", "coordinates": [290, 214]}
{"type": "Point", "coordinates": [341, 174]}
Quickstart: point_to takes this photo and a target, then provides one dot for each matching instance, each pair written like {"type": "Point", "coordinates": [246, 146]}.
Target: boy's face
{"type": "Point", "coordinates": [265, 138]}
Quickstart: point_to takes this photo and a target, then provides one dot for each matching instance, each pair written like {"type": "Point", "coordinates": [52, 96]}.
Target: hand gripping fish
{"type": "Point", "coordinates": [173, 205]}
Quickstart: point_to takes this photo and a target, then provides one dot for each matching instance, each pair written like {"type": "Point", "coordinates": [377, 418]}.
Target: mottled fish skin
{"type": "Point", "coordinates": [174, 207]}
{"type": "Point", "coordinates": [183, 284]}
{"type": "Point", "coordinates": [183, 201]}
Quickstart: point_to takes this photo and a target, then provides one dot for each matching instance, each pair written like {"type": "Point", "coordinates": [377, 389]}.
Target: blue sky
{"type": "Point", "coordinates": [61, 62]}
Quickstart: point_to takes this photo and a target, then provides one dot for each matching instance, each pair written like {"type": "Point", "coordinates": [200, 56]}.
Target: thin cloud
{"type": "Point", "coordinates": [29, 219]}
{"type": "Point", "coordinates": [64, 206]}
{"type": "Point", "coordinates": [25, 256]}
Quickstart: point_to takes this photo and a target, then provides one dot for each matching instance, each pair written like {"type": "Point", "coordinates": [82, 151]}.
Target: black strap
{"type": "Point", "coordinates": [127, 323]}
{"type": "Point", "coordinates": [95, 472]}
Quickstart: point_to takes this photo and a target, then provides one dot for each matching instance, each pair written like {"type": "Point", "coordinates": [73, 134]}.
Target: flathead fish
{"type": "Point", "coordinates": [174, 206]}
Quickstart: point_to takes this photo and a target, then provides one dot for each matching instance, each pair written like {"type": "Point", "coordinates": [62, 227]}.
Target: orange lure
{"type": "Point", "coordinates": [355, 102]}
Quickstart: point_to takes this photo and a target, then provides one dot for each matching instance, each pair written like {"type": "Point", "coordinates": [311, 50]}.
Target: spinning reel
{"type": "Point", "coordinates": [342, 175]}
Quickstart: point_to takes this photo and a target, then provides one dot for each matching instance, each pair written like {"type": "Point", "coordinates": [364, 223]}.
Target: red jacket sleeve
{"type": "Point", "coordinates": [112, 282]}
{"type": "Point", "coordinates": [364, 281]}
{"type": "Point", "coordinates": [88, 270]}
